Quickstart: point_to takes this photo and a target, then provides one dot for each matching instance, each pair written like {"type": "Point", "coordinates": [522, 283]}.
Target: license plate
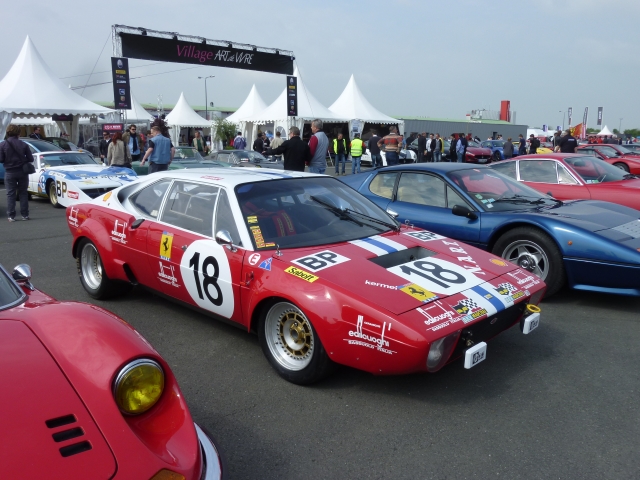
{"type": "Point", "coordinates": [531, 323]}
{"type": "Point", "coordinates": [482, 160]}
{"type": "Point", "coordinates": [475, 355]}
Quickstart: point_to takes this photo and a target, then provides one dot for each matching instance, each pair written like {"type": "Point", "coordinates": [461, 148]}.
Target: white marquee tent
{"type": "Point", "coordinates": [353, 105]}
{"type": "Point", "coordinates": [605, 131]}
{"type": "Point", "coordinates": [183, 116]}
{"type": "Point", "coordinates": [309, 108]}
{"type": "Point", "coordinates": [252, 105]}
{"type": "Point", "coordinates": [31, 89]}
{"type": "Point", "coordinates": [137, 114]}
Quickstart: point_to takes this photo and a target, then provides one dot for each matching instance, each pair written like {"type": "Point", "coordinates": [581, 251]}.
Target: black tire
{"type": "Point", "coordinates": [274, 319]}
{"type": "Point", "coordinates": [92, 275]}
{"type": "Point", "coordinates": [554, 273]}
{"type": "Point", "coordinates": [622, 166]}
{"type": "Point", "coordinates": [496, 156]}
{"type": "Point", "coordinates": [53, 197]}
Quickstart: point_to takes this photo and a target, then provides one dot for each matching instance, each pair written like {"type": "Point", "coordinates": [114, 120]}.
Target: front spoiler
{"type": "Point", "coordinates": [212, 465]}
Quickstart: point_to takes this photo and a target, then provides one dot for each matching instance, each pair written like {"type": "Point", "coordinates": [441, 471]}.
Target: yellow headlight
{"type": "Point", "coordinates": [138, 386]}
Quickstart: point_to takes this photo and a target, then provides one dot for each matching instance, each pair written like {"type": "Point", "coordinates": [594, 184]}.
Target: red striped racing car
{"type": "Point", "coordinates": [323, 275]}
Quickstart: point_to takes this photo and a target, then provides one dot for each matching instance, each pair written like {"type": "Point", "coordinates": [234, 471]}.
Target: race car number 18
{"type": "Point", "coordinates": [210, 280]}
{"type": "Point", "coordinates": [207, 277]}
{"type": "Point", "coordinates": [437, 275]}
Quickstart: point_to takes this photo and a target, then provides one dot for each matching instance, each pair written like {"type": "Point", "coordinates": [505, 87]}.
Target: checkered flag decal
{"type": "Point", "coordinates": [507, 286]}
{"type": "Point", "coordinates": [468, 303]}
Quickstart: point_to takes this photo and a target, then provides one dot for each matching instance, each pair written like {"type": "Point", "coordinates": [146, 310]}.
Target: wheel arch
{"type": "Point", "coordinates": [495, 236]}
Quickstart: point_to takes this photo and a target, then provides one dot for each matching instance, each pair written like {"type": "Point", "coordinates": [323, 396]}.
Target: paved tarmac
{"type": "Point", "coordinates": [562, 402]}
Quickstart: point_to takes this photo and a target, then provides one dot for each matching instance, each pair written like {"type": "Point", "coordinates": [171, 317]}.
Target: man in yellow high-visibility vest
{"type": "Point", "coordinates": [357, 149]}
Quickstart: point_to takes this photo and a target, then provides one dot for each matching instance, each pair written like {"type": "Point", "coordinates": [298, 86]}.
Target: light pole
{"type": "Point", "coordinates": [206, 100]}
{"type": "Point", "coordinates": [620, 127]}
{"type": "Point", "coordinates": [562, 112]}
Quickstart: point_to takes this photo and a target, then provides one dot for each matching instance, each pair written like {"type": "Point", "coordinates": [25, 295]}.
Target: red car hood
{"type": "Point", "coordinates": [479, 151]}
{"type": "Point", "coordinates": [376, 267]}
{"type": "Point", "coordinates": [42, 415]}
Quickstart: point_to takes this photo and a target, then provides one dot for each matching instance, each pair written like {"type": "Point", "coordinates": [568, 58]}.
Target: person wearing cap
{"type": "Point", "coordinates": [567, 143]}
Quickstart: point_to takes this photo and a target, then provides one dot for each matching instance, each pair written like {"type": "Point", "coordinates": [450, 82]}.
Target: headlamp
{"type": "Point", "coordinates": [138, 386]}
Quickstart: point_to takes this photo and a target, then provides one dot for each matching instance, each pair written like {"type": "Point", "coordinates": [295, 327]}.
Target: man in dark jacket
{"type": "Point", "coordinates": [422, 147]}
{"type": "Point", "coordinates": [258, 144]}
{"type": "Point", "coordinates": [14, 153]}
{"type": "Point", "coordinates": [36, 134]}
{"type": "Point", "coordinates": [296, 152]}
{"type": "Point", "coordinates": [104, 146]}
{"type": "Point", "coordinates": [374, 150]}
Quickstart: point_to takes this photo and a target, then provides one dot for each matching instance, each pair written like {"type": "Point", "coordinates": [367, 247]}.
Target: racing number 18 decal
{"type": "Point", "coordinates": [437, 276]}
{"type": "Point", "coordinates": [207, 277]}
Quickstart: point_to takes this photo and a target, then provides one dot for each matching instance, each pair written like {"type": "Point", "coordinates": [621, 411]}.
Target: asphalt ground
{"type": "Point", "coordinates": [562, 402]}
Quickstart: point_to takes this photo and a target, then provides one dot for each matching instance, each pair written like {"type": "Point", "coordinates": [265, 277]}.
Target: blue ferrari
{"type": "Point", "coordinates": [587, 244]}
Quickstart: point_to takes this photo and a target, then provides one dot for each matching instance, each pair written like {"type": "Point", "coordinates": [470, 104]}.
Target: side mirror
{"type": "Point", "coordinates": [462, 211]}
{"type": "Point", "coordinates": [392, 213]}
{"type": "Point", "coordinates": [136, 223]}
{"type": "Point", "coordinates": [223, 237]}
{"type": "Point", "coordinates": [22, 275]}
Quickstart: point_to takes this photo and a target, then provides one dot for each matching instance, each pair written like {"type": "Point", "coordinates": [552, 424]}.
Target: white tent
{"type": "Point", "coordinates": [51, 129]}
{"type": "Point", "coordinates": [252, 105]}
{"type": "Point", "coordinates": [31, 89]}
{"type": "Point", "coordinates": [353, 105]}
{"type": "Point", "coordinates": [137, 114]}
{"type": "Point", "coordinates": [183, 116]}
{"type": "Point", "coordinates": [605, 131]}
{"type": "Point", "coordinates": [309, 108]}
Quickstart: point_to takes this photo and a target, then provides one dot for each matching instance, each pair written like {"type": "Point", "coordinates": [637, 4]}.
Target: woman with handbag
{"type": "Point", "coordinates": [118, 154]}
{"type": "Point", "coordinates": [18, 164]}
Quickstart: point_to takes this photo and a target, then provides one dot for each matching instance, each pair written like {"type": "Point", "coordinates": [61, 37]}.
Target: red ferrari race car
{"type": "Point", "coordinates": [88, 397]}
{"type": "Point", "coordinates": [572, 176]}
{"type": "Point", "coordinates": [320, 272]}
{"type": "Point", "coordinates": [616, 155]}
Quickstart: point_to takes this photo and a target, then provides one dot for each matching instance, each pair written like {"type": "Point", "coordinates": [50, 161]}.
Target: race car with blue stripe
{"type": "Point", "coordinates": [67, 178]}
{"type": "Point", "coordinates": [323, 275]}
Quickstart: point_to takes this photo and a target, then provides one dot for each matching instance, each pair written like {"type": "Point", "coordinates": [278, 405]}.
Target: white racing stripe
{"type": "Point", "coordinates": [379, 245]}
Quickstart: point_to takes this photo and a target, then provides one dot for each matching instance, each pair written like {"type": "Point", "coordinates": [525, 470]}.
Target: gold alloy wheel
{"type": "Point", "coordinates": [289, 336]}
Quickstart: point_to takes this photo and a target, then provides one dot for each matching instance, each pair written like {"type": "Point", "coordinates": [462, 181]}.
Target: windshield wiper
{"type": "Point", "coordinates": [338, 211]}
{"type": "Point", "coordinates": [518, 199]}
{"type": "Point", "coordinates": [395, 228]}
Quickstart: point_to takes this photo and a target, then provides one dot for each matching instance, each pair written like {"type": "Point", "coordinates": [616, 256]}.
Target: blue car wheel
{"type": "Point", "coordinates": [534, 251]}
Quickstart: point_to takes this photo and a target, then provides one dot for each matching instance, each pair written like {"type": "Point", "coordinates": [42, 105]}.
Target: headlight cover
{"type": "Point", "coordinates": [138, 386]}
{"type": "Point", "coordinates": [440, 351]}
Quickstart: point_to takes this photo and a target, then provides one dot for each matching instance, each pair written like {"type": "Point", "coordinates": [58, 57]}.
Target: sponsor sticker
{"type": "Point", "coordinates": [470, 310]}
{"type": "Point", "coordinates": [257, 236]}
{"type": "Point", "coordinates": [254, 258]}
{"type": "Point", "coordinates": [370, 340]}
{"type": "Point", "coordinates": [382, 285]}
{"type": "Point", "coordinates": [266, 264]}
{"type": "Point", "coordinates": [296, 272]}
{"type": "Point", "coordinates": [419, 293]}
{"type": "Point", "coordinates": [165, 245]}
{"type": "Point", "coordinates": [252, 219]}
{"type": "Point", "coordinates": [119, 234]}
{"type": "Point", "coordinates": [209, 177]}
{"type": "Point", "coordinates": [320, 261]}
{"type": "Point", "coordinates": [425, 236]}
{"type": "Point", "coordinates": [73, 217]}
{"type": "Point", "coordinates": [72, 194]}
{"type": "Point", "coordinates": [106, 197]}
{"type": "Point", "coordinates": [500, 263]}
{"type": "Point", "coordinates": [167, 275]}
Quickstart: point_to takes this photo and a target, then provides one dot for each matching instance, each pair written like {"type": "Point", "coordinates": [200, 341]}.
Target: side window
{"type": "Point", "coordinates": [421, 189]}
{"type": "Point", "coordinates": [506, 168]}
{"type": "Point", "coordinates": [190, 206]}
{"type": "Point", "coordinates": [588, 151]}
{"type": "Point", "coordinates": [454, 199]}
{"type": "Point", "coordinates": [565, 177]}
{"type": "Point", "coordinates": [543, 171]}
{"type": "Point", "coordinates": [149, 199]}
{"type": "Point", "coordinates": [223, 157]}
{"type": "Point", "coordinates": [382, 185]}
{"type": "Point", "coordinates": [225, 219]}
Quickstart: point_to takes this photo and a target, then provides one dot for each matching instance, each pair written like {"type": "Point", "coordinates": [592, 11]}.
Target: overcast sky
{"type": "Point", "coordinates": [410, 57]}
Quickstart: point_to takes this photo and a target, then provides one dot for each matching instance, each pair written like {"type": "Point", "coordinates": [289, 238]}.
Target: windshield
{"type": "Point", "coordinates": [75, 158]}
{"type": "Point", "coordinates": [594, 170]}
{"type": "Point", "coordinates": [41, 146]}
{"type": "Point", "coordinates": [473, 143]}
{"type": "Point", "coordinates": [188, 154]}
{"type": "Point", "coordinates": [244, 156]}
{"type": "Point", "coordinates": [623, 150]}
{"type": "Point", "coordinates": [305, 212]}
{"type": "Point", "coordinates": [494, 191]}
{"type": "Point", "coordinates": [10, 294]}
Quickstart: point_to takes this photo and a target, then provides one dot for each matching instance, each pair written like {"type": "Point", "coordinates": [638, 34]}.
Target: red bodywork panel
{"type": "Point", "coordinates": [61, 358]}
{"type": "Point", "coordinates": [366, 315]}
{"type": "Point", "coordinates": [631, 161]}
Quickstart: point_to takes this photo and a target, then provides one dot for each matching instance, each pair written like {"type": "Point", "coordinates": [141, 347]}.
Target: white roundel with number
{"type": "Point", "coordinates": [207, 277]}
{"type": "Point", "coordinates": [437, 275]}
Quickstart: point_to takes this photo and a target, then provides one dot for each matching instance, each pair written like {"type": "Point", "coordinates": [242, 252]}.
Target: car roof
{"type": "Point", "coordinates": [440, 167]}
{"type": "Point", "coordinates": [230, 176]}
{"type": "Point", "coordinates": [544, 156]}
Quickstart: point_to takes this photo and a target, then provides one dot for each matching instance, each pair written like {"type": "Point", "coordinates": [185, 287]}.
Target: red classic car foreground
{"type": "Point", "coordinates": [319, 271]}
{"type": "Point", "coordinates": [86, 396]}
{"type": "Point", "coordinates": [574, 176]}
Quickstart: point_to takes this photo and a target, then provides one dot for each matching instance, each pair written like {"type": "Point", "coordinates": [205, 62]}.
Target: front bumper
{"type": "Point", "coordinates": [212, 465]}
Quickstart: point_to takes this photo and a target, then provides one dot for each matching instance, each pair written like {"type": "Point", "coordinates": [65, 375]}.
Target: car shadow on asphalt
{"type": "Point", "coordinates": [584, 299]}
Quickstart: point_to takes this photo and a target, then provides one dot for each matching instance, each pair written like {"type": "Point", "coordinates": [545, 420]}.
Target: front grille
{"type": "Point", "coordinates": [68, 434]}
{"type": "Point", "coordinates": [484, 330]}
{"type": "Point", "coordinates": [96, 192]}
